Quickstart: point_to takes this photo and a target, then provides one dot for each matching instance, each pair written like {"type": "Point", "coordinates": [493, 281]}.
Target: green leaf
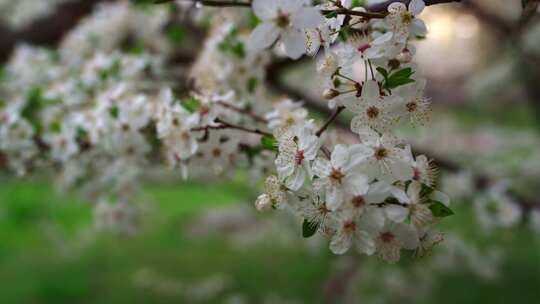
{"type": "Point", "coordinates": [252, 84]}
{"type": "Point", "coordinates": [358, 3]}
{"type": "Point", "coordinates": [383, 72]}
{"type": "Point", "coordinates": [34, 104]}
{"type": "Point", "coordinates": [309, 229]}
{"type": "Point", "coordinates": [55, 127]}
{"type": "Point", "coordinates": [439, 209]}
{"type": "Point", "coordinates": [176, 35]}
{"type": "Point", "coordinates": [399, 78]}
{"type": "Point", "coordinates": [113, 71]}
{"type": "Point", "coordinates": [332, 14]}
{"type": "Point", "coordinates": [344, 33]}
{"type": "Point", "coordinates": [269, 142]}
{"type": "Point", "coordinates": [191, 104]}
{"type": "Point", "coordinates": [426, 190]}
{"type": "Point", "coordinates": [403, 73]}
{"type": "Point", "coordinates": [253, 20]}
{"type": "Point", "coordinates": [114, 111]}
{"type": "Point", "coordinates": [232, 45]}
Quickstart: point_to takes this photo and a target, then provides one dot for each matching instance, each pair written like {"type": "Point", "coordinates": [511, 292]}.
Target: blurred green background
{"type": "Point", "coordinates": [46, 257]}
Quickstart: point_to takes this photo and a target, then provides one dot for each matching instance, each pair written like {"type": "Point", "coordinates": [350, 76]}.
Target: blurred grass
{"type": "Point", "coordinates": [46, 256]}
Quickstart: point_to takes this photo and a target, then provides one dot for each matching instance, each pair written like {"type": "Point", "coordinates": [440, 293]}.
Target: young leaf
{"type": "Point", "coordinates": [191, 104]}
{"type": "Point", "coordinates": [426, 190]}
{"type": "Point", "coordinates": [269, 142]}
{"type": "Point", "coordinates": [252, 84]}
{"type": "Point", "coordinates": [332, 14]}
{"type": "Point", "coordinates": [398, 78]}
{"type": "Point", "coordinates": [114, 111]}
{"type": "Point", "coordinates": [439, 209]}
{"type": "Point", "coordinates": [176, 35]}
{"type": "Point", "coordinates": [383, 72]}
{"type": "Point", "coordinates": [309, 229]}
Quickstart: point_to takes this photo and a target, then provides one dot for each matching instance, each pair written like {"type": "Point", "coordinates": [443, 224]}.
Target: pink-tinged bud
{"type": "Point", "coordinates": [329, 94]}
{"type": "Point", "coordinates": [405, 56]}
{"type": "Point", "coordinates": [364, 47]}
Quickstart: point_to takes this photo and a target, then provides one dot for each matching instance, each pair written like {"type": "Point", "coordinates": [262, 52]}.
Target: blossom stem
{"type": "Point", "coordinates": [330, 120]}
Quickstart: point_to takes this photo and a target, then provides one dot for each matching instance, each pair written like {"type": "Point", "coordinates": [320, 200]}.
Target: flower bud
{"type": "Point", "coordinates": [330, 94]}
{"type": "Point", "coordinates": [263, 203]}
{"type": "Point", "coordinates": [405, 56]}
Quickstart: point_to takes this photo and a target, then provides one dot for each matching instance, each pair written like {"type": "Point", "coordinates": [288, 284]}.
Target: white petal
{"type": "Point", "coordinates": [288, 6]}
{"type": "Point", "coordinates": [416, 7]}
{"type": "Point", "coordinates": [357, 183]}
{"type": "Point", "coordinates": [358, 124]}
{"type": "Point", "coordinates": [340, 243]}
{"type": "Point", "coordinates": [396, 213]}
{"type": "Point", "coordinates": [372, 220]}
{"type": "Point", "coordinates": [307, 18]}
{"type": "Point", "coordinates": [402, 171]}
{"type": "Point", "coordinates": [413, 192]}
{"type": "Point", "coordinates": [263, 36]}
{"type": "Point", "coordinates": [441, 197]}
{"type": "Point", "coordinates": [296, 180]}
{"type": "Point", "coordinates": [400, 195]}
{"type": "Point", "coordinates": [265, 9]}
{"type": "Point", "coordinates": [358, 154]}
{"type": "Point", "coordinates": [322, 167]}
{"type": "Point", "coordinates": [294, 43]}
{"type": "Point", "coordinates": [364, 243]}
{"type": "Point", "coordinates": [310, 146]}
{"type": "Point", "coordinates": [418, 28]}
{"type": "Point", "coordinates": [340, 156]}
{"type": "Point", "coordinates": [334, 198]}
{"type": "Point", "coordinates": [370, 90]}
{"type": "Point", "coordinates": [407, 235]}
{"type": "Point", "coordinates": [377, 192]}
{"type": "Point", "coordinates": [382, 39]}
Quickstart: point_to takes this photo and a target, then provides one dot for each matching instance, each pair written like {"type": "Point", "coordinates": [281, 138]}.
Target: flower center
{"type": "Point", "coordinates": [323, 210]}
{"type": "Point", "coordinates": [372, 112]}
{"type": "Point", "coordinates": [407, 18]}
{"type": "Point", "coordinates": [416, 174]}
{"type": "Point", "coordinates": [412, 106]}
{"type": "Point", "coordinates": [364, 47]}
{"type": "Point", "coordinates": [387, 237]}
{"type": "Point", "coordinates": [204, 110]}
{"type": "Point", "coordinates": [282, 20]}
{"type": "Point", "coordinates": [299, 157]}
{"type": "Point", "coordinates": [336, 175]}
{"type": "Point", "coordinates": [349, 226]}
{"type": "Point", "coordinates": [185, 136]}
{"type": "Point", "coordinates": [358, 201]}
{"type": "Point", "coordinates": [381, 153]}
{"type": "Point", "coordinates": [216, 152]}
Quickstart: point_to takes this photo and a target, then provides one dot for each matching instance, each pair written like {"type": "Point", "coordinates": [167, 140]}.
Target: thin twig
{"type": "Point", "coordinates": [350, 12]}
{"type": "Point", "coordinates": [330, 120]}
{"type": "Point", "coordinates": [227, 125]}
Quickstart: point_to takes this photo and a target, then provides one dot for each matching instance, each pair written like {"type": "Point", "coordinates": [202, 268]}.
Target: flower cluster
{"type": "Point", "coordinates": [373, 195]}
{"type": "Point", "coordinates": [100, 114]}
